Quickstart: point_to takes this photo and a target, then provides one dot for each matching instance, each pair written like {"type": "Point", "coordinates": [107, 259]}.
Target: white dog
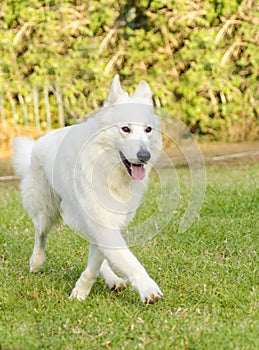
{"type": "Point", "coordinates": [94, 175]}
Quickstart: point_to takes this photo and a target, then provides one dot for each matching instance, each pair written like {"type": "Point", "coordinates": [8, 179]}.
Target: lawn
{"type": "Point", "coordinates": [209, 276]}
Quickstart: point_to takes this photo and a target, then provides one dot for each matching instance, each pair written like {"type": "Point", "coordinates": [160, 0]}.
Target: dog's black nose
{"type": "Point", "coordinates": [143, 155]}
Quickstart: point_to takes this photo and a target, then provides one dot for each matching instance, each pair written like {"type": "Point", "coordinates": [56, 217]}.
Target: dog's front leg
{"type": "Point", "coordinates": [115, 250]}
{"type": "Point", "coordinates": [123, 261]}
{"type": "Point", "coordinates": [111, 279]}
{"type": "Point", "coordinates": [86, 280]}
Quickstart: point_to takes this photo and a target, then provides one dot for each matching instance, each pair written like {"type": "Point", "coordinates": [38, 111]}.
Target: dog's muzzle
{"type": "Point", "coordinates": [136, 171]}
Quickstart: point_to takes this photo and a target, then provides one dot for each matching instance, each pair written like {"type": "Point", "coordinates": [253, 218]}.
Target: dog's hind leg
{"type": "Point", "coordinates": [111, 279]}
{"type": "Point", "coordinates": [42, 206]}
{"type": "Point", "coordinates": [38, 257]}
{"type": "Point", "coordinates": [88, 277]}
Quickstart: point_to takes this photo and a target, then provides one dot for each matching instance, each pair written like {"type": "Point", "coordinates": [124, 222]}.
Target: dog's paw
{"type": "Point", "coordinates": [79, 294]}
{"type": "Point", "coordinates": [151, 294]}
{"type": "Point", "coordinates": [118, 285]}
{"type": "Point", "coordinates": [36, 262]}
{"type": "Point", "coordinates": [152, 298]}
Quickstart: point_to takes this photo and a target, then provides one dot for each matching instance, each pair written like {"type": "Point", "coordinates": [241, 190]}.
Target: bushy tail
{"type": "Point", "coordinates": [22, 147]}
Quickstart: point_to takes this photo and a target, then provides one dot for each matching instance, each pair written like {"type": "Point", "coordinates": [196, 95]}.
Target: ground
{"type": "Point", "coordinates": [209, 273]}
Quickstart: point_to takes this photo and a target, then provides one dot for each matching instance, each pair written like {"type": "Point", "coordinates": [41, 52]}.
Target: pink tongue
{"type": "Point", "coordinates": [137, 172]}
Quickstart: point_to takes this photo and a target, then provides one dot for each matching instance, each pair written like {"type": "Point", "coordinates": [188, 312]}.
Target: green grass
{"type": "Point", "coordinates": [209, 276]}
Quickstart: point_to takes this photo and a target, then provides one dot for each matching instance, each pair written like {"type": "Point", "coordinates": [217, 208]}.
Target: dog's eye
{"type": "Point", "coordinates": [125, 129]}
{"type": "Point", "coordinates": [148, 129]}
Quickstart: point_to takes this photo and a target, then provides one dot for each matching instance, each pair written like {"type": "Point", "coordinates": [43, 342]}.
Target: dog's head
{"type": "Point", "coordinates": [132, 128]}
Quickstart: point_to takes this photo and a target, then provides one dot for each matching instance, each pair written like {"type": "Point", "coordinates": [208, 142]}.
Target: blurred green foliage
{"type": "Point", "coordinates": [200, 57]}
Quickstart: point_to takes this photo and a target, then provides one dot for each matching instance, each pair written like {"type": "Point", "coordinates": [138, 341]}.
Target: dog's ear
{"type": "Point", "coordinates": [143, 92]}
{"type": "Point", "coordinates": [116, 91]}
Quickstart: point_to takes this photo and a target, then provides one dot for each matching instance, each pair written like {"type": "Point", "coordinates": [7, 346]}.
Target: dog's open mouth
{"type": "Point", "coordinates": [136, 171]}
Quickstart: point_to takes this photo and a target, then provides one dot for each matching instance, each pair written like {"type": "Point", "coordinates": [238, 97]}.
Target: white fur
{"type": "Point", "coordinates": [23, 146]}
{"type": "Point", "coordinates": [77, 172]}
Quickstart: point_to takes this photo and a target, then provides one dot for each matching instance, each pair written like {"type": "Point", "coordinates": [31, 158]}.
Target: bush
{"type": "Point", "coordinates": [200, 59]}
